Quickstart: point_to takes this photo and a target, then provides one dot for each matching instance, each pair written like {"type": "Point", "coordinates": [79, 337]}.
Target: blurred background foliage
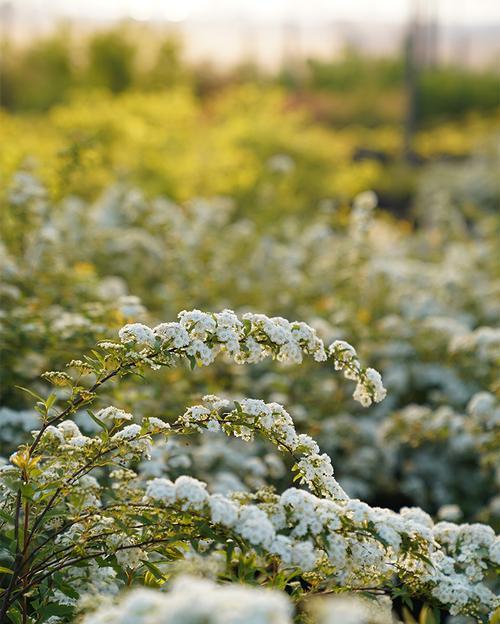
{"type": "Point", "coordinates": [45, 72]}
{"type": "Point", "coordinates": [123, 103]}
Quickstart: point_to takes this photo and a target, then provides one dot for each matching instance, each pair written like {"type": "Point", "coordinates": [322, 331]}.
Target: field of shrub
{"type": "Point", "coordinates": [231, 370]}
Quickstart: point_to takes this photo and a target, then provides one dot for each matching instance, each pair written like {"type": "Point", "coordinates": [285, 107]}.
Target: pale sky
{"type": "Point", "coordinates": [225, 31]}
{"type": "Point", "coordinates": [467, 12]}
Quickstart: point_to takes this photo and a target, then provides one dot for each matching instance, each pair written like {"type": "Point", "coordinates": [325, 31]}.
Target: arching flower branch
{"type": "Point", "coordinates": [67, 525]}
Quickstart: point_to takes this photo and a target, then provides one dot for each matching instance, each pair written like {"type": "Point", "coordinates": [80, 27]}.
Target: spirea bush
{"type": "Point", "coordinates": [81, 519]}
{"type": "Point", "coordinates": [421, 303]}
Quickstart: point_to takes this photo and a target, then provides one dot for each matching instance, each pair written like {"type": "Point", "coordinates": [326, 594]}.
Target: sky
{"type": "Point", "coordinates": [225, 31]}
{"type": "Point", "coordinates": [466, 12]}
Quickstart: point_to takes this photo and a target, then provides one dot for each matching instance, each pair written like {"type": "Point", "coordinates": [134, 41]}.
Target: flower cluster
{"type": "Point", "coordinates": [358, 545]}
{"type": "Point", "coordinates": [213, 604]}
{"type": "Point", "coordinates": [276, 425]}
{"type": "Point", "coordinates": [113, 414]}
{"type": "Point", "coordinates": [422, 303]}
{"type": "Point", "coordinates": [351, 609]}
{"type": "Point", "coordinates": [202, 336]}
{"type": "Point", "coordinates": [462, 564]}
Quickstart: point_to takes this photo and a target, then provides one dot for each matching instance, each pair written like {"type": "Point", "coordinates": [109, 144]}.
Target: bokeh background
{"type": "Point", "coordinates": [385, 89]}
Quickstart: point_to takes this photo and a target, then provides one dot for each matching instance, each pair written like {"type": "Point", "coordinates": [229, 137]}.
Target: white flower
{"type": "Point", "coordinates": [343, 352]}
{"type": "Point", "coordinates": [351, 609]}
{"type": "Point", "coordinates": [367, 200]}
{"type": "Point", "coordinates": [222, 510]}
{"type": "Point", "coordinates": [130, 432]}
{"type": "Point", "coordinates": [227, 318]}
{"type": "Point", "coordinates": [377, 387]}
{"type": "Point", "coordinates": [111, 413]}
{"type": "Point", "coordinates": [69, 429]}
{"type": "Point", "coordinates": [254, 526]}
{"type": "Point", "coordinates": [304, 555]}
{"type": "Point", "coordinates": [282, 546]}
{"type": "Point", "coordinates": [198, 324]}
{"type": "Point", "coordinates": [255, 407]}
{"type": "Point", "coordinates": [158, 424]}
{"type": "Point", "coordinates": [290, 352]}
{"type": "Point", "coordinates": [451, 513]}
{"type": "Point", "coordinates": [172, 334]}
{"type": "Point", "coordinates": [200, 350]}
{"type": "Point", "coordinates": [137, 333]}
{"type": "Point", "coordinates": [161, 489]}
{"type": "Point", "coordinates": [191, 492]}
{"type": "Point", "coordinates": [195, 414]}
{"type": "Point", "coordinates": [362, 395]}
{"type": "Point", "coordinates": [305, 442]}
{"type": "Point", "coordinates": [216, 403]}
{"type": "Point", "coordinates": [81, 441]}
{"type": "Point", "coordinates": [494, 551]}
{"type": "Point", "coordinates": [53, 433]}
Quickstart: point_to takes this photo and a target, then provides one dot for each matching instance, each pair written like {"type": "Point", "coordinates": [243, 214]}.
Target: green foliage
{"type": "Point", "coordinates": [38, 77]}
{"type": "Point", "coordinates": [111, 60]}
{"type": "Point", "coordinates": [354, 71]}
{"type": "Point", "coordinates": [351, 88]}
{"type": "Point", "coordinates": [454, 91]}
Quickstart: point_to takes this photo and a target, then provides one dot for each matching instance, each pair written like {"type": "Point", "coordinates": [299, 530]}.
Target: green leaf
{"type": "Point", "coordinates": [428, 615]}
{"type": "Point", "coordinates": [69, 591]}
{"type": "Point", "coordinates": [54, 609]}
{"type": "Point", "coordinates": [31, 393]}
{"type": "Point", "coordinates": [5, 570]}
{"type": "Point", "coordinates": [98, 421]}
{"type": "Point", "coordinates": [99, 357]}
{"type": "Point", "coordinates": [381, 539]}
{"type": "Point", "coordinates": [51, 399]}
{"type": "Point", "coordinates": [424, 558]}
{"type": "Point", "coordinates": [14, 615]}
{"type": "Point", "coordinates": [28, 490]}
{"type": "Point", "coordinates": [155, 571]}
{"type": "Point", "coordinates": [230, 545]}
{"type": "Point", "coordinates": [5, 516]}
{"type": "Point", "coordinates": [408, 617]}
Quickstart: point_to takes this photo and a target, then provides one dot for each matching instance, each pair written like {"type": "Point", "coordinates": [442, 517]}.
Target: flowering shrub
{"type": "Point", "coordinates": [420, 303]}
{"type": "Point", "coordinates": [79, 519]}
